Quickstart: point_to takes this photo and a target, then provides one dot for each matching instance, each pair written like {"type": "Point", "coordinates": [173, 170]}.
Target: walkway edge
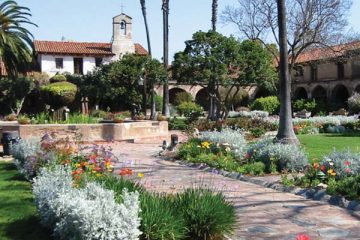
{"type": "Point", "coordinates": [311, 193]}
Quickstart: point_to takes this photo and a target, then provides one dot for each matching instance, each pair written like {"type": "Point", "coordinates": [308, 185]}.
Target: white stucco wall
{"type": "Point", "coordinates": [47, 63]}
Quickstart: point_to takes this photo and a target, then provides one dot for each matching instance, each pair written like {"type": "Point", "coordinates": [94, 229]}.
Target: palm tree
{"type": "Point", "coordinates": [15, 41]}
{"type": "Point", "coordinates": [286, 132]}
{"type": "Point", "coordinates": [214, 14]}
{"type": "Point", "coordinates": [143, 9]}
{"type": "Point", "coordinates": [165, 8]}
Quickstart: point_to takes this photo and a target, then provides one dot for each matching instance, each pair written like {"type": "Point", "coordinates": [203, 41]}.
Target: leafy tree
{"type": "Point", "coordinates": [13, 93]}
{"type": "Point", "coordinates": [118, 82]}
{"type": "Point", "coordinates": [15, 40]}
{"type": "Point", "coordinates": [215, 61]}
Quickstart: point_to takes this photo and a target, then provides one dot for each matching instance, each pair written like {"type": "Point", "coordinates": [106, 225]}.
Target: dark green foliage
{"type": "Point", "coordinates": [257, 131]}
{"type": "Point", "coordinates": [207, 215]}
{"type": "Point", "coordinates": [269, 104]}
{"type": "Point", "coordinates": [13, 91]}
{"type": "Point", "coordinates": [182, 97]}
{"type": "Point", "coordinates": [190, 110]}
{"type": "Point", "coordinates": [158, 102]}
{"type": "Point", "coordinates": [116, 85]}
{"type": "Point", "coordinates": [307, 104]}
{"type": "Point", "coordinates": [59, 94]}
{"type": "Point", "coordinates": [177, 124]}
{"type": "Point", "coordinates": [255, 168]}
{"type": "Point", "coordinates": [58, 78]}
{"type": "Point", "coordinates": [159, 219]}
{"type": "Point", "coordinates": [348, 187]}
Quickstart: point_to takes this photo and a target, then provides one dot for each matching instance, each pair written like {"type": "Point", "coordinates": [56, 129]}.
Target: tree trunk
{"type": "Point", "coordinates": [165, 8]}
{"type": "Point", "coordinates": [285, 133]}
{"type": "Point", "coordinates": [143, 8]}
{"type": "Point", "coordinates": [214, 14]}
{"type": "Point", "coordinates": [153, 104]}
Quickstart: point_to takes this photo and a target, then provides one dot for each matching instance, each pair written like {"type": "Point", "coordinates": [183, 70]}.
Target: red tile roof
{"type": "Point", "coordinates": [79, 48]}
{"type": "Point", "coordinates": [328, 52]}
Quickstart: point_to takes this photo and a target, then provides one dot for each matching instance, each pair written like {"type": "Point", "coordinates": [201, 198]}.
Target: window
{"type": "Point", "coordinates": [59, 63]}
{"type": "Point", "coordinates": [78, 66]}
{"type": "Point", "coordinates": [314, 73]}
{"type": "Point", "coordinates": [340, 71]}
{"type": "Point", "coordinates": [98, 62]}
{"type": "Point", "coordinates": [299, 71]}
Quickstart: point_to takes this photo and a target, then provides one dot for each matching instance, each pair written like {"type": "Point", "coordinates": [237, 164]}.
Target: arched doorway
{"type": "Point", "coordinates": [357, 89]}
{"type": "Point", "coordinates": [319, 94]}
{"type": "Point", "coordinates": [300, 93]}
{"type": "Point", "coordinates": [173, 92]}
{"type": "Point", "coordinates": [339, 97]}
{"type": "Point", "coordinates": [202, 98]}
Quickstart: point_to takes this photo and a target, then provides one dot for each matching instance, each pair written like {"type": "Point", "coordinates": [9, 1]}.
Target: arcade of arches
{"type": "Point", "coordinates": [334, 94]}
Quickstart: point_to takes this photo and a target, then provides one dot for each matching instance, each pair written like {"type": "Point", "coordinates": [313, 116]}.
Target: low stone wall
{"type": "Point", "coordinates": [94, 132]}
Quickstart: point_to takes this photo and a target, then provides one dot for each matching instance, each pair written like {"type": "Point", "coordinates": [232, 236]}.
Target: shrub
{"type": "Point", "coordinates": [40, 79]}
{"type": "Point", "coordinates": [255, 168]}
{"type": "Point", "coordinates": [60, 93]}
{"type": "Point", "coordinates": [348, 187]}
{"type": "Point", "coordinates": [307, 104]}
{"type": "Point", "coordinates": [278, 157]}
{"type": "Point", "coordinates": [177, 124]}
{"type": "Point", "coordinates": [23, 119]}
{"type": "Point", "coordinates": [235, 139]}
{"type": "Point", "coordinates": [58, 78]}
{"type": "Point", "coordinates": [269, 104]}
{"type": "Point", "coordinates": [98, 113]}
{"type": "Point", "coordinates": [159, 220]}
{"type": "Point", "coordinates": [257, 132]}
{"type": "Point", "coordinates": [207, 215]}
{"type": "Point", "coordinates": [252, 114]}
{"type": "Point", "coordinates": [88, 213]}
{"type": "Point", "coordinates": [345, 163]}
{"type": "Point", "coordinates": [190, 110]}
{"type": "Point", "coordinates": [182, 97]}
{"type": "Point", "coordinates": [189, 150]}
{"type": "Point", "coordinates": [354, 103]}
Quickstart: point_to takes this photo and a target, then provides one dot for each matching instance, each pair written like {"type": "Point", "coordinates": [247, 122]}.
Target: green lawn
{"type": "Point", "coordinates": [18, 218]}
{"type": "Point", "coordinates": [319, 145]}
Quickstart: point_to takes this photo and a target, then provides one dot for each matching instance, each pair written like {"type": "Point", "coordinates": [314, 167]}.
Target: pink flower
{"type": "Point", "coordinates": [302, 237]}
{"type": "Point", "coordinates": [347, 163]}
{"type": "Point", "coordinates": [348, 170]}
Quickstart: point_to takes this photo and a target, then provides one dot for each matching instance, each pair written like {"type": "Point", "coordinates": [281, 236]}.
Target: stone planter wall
{"type": "Point", "coordinates": [94, 132]}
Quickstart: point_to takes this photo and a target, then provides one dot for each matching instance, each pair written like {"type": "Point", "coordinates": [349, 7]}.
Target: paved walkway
{"type": "Point", "coordinates": [262, 213]}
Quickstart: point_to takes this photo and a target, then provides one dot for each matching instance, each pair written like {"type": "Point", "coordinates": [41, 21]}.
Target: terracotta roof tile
{"type": "Point", "coordinates": [328, 52]}
{"type": "Point", "coordinates": [79, 48]}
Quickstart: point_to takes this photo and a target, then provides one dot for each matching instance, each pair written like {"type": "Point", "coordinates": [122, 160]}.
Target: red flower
{"type": "Point", "coordinates": [323, 168]}
{"type": "Point", "coordinates": [347, 163]}
{"type": "Point", "coordinates": [302, 237]}
{"type": "Point", "coordinates": [125, 171]}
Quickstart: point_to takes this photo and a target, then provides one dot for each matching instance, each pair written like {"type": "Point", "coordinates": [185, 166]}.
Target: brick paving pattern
{"type": "Point", "coordinates": [262, 213]}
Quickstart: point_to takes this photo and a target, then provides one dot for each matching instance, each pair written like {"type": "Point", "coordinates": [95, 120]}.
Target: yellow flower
{"type": "Point", "coordinates": [331, 172]}
{"type": "Point", "coordinates": [205, 145]}
{"type": "Point", "coordinates": [140, 175]}
{"type": "Point", "coordinates": [98, 174]}
{"type": "Point", "coordinates": [77, 165]}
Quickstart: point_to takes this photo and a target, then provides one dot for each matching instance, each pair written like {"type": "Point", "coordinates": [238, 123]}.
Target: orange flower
{"type": "Point", "coordinates": [316, 165]}
{"type": "Point", "coordinates": [125, 171]}
{"type": "Point", "coordinates": [97, 169]}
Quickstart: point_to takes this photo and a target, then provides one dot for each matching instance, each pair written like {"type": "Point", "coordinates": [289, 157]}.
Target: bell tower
{"type": "Point", "coordinates": [122, 36]}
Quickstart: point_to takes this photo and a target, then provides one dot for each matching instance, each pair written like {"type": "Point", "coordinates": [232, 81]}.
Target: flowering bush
{"type": "Point", "coordinates": [88, 213]}
{"type": "Point", "coordinates": [354, 103]}
{"type": "Point", "coordinates": [234, 138]}
{"type": "Point", "coordinates": [278, 157]}
{"type": "Point", "coordinates": [344, 163]}
{"type": "Point", "coordinates": [252, 114]}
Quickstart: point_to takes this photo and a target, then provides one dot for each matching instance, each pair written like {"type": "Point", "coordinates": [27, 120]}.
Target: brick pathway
{"type": "Point", "coordinates": [262, 213]}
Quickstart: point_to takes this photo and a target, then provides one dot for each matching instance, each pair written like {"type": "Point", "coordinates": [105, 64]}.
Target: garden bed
{"type": "Point", "coordinates": [136, 130]}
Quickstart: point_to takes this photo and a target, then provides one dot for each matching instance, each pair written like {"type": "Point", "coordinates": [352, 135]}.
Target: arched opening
{"type": "Point", "coordinates": [300, 93]}
{"type": "Point", "coordinates": [319, 94]}
{"type": "Point", "coordinates": [173, 92]}
{"type": "Point", "coordinates": [261, 93]}
{"type": "Point", "coordinates": [202, 98]}
{"type": "Point", "coordinates": [357, 89]}
{"type": "Point", "coordinates": [339, 97]}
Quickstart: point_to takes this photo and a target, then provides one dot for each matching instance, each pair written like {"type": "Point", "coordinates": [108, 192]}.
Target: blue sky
{"type": "Point", "coordinates": [91, 20]}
